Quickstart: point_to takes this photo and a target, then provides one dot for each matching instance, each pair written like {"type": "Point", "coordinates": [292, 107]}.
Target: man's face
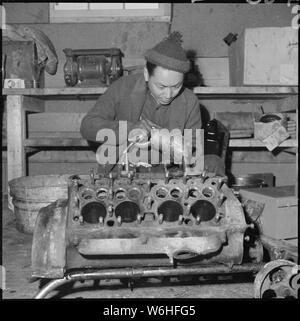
{"type": "Point", "coordinates": [164, 84]}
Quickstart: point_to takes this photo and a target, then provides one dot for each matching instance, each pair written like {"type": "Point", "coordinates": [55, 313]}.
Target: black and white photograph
{"type": "Point", "coordinates": [150, 154]}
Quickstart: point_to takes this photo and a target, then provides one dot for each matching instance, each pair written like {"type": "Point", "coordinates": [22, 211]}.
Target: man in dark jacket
{"type": "Point", "coordinates": [154, 99]}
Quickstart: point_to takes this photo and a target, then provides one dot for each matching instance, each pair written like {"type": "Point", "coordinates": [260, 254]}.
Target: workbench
{"type": "Point", "coordinates": [20, 101]}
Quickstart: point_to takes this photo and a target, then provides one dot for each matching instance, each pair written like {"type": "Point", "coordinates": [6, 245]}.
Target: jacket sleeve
{"type": "Point", "coordinates": [194, 120]}
{"type": "Point", "coordinates": [103, 115]}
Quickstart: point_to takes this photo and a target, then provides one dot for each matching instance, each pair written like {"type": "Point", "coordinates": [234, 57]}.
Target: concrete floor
{"type": "Point", "coordinates": [17, 263]}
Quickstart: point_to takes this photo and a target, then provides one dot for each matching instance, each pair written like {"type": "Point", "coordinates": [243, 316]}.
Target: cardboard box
{"type": "Point", "coordinates": [214, 71]}
{"type": "Point", "coordinates": [275, 209]}
{"type": "Point", "coordinates": [264, 56]}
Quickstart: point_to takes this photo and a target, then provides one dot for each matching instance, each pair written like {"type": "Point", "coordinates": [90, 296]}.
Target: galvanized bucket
{"type": "Point", "coordinates": [31, 193]}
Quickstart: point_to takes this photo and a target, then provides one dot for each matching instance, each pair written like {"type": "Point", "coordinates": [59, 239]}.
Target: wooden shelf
{"type": "Point", "coordinates": [32, 99]}
{"type": "Point", "coordinates": [246, 92]}
{"type": "Point", "coordinates": [210, 92]}
{"type": "Point", "coordinates": [79, 142]}
{"type": "Point", "coordinates": [55, 142]}
{"type": "Point", "coordinates": [256, 143]}
{"type": "Point", "coordinates": [68, 91]}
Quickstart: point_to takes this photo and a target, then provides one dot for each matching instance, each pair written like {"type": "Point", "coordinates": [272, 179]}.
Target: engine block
{"type": "Point", "coordinates": [139, 219]}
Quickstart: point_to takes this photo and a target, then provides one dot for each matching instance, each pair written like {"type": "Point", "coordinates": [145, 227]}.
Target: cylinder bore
{"type": "Point", "coordinates": [91, 212]}
{"type": "Point", "coordinates": [170, 211]}
{"type": "Point", "coordinates": [128, 211]}
{"type": "Point", "coordinates": [204, 209]}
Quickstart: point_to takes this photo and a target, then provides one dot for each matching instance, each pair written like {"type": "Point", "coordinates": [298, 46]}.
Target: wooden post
{"type": "Point", "coordinates": [15, 137]}
{"type": "Point", "coordinates": [297, 167]}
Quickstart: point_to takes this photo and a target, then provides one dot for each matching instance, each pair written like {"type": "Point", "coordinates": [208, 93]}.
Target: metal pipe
{"type": "Point", "coordinates": [50, 287]}
{"type": "Point", "coordinates": [147, 272]}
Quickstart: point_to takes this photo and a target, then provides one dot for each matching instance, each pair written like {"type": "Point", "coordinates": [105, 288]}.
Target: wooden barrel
{"type": "Point", "coordinates": [31, 193]}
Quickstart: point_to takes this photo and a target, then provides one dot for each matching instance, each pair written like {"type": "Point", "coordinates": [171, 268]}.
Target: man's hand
{"type": "Point", "coordinates": [141, 132]}
{"type": "Point", "coordinates": [214, 164]}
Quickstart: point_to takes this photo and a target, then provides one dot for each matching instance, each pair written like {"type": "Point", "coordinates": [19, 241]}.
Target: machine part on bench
{"type": "Point", "coordinates": [277, 279]}
{"type": "Point", "coordinates": [92, 67]}
{"type": "Point", "coordinates": [140, 221]}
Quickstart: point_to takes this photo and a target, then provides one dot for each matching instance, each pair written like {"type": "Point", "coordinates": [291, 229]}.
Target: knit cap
{"type": "Point", "coordinates": [169, 54]}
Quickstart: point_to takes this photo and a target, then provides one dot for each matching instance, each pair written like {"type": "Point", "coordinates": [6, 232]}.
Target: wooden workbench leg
{"type": "Point", "coordinates": [297, 148]}
{"type": "Point", "coordinates": [15, 137]}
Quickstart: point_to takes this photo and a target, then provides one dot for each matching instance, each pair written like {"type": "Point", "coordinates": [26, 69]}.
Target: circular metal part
{"type": "Point", "coordinates": [176, 193]}
{"type": "Point", "coordinates": [247, 181]}
{"type": "Point", "coordinates": [182, 255]}
{"type": "Point", "coordinates": [92, 211]}
{"type": "Point", "coordinates": [128, 211]}
{"type": "Point", "coordinates": [71, 72]}
{"type": "Point", "coordinates": [208, 192]}
{"type": "Point", "coordinates": [194, 192]}
{"type": "Point", "coordinates": [102, 194]}
{"type": "Point", "coordinates": [134, 193]}
{"type": "Point", "coordinates": [171, 210]}
{"type": "Point", "coordinates": [161, 192]}
{"type": "Point", "coordinates": [91, 67]}
{"type": "Point", "coordinates": [87, 194]}
{"type": "Point", "coordinates": [294, 280]}
{"type": "Point", "coordinates": [205, 209]}
{"type": "Point", "coordinates": [274, 280]}
{"type": "Point", "coordinates": [120, 194]}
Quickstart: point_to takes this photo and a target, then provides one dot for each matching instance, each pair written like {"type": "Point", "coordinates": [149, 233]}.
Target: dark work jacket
{"type": "Point", "coordinates": [124, 100]}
